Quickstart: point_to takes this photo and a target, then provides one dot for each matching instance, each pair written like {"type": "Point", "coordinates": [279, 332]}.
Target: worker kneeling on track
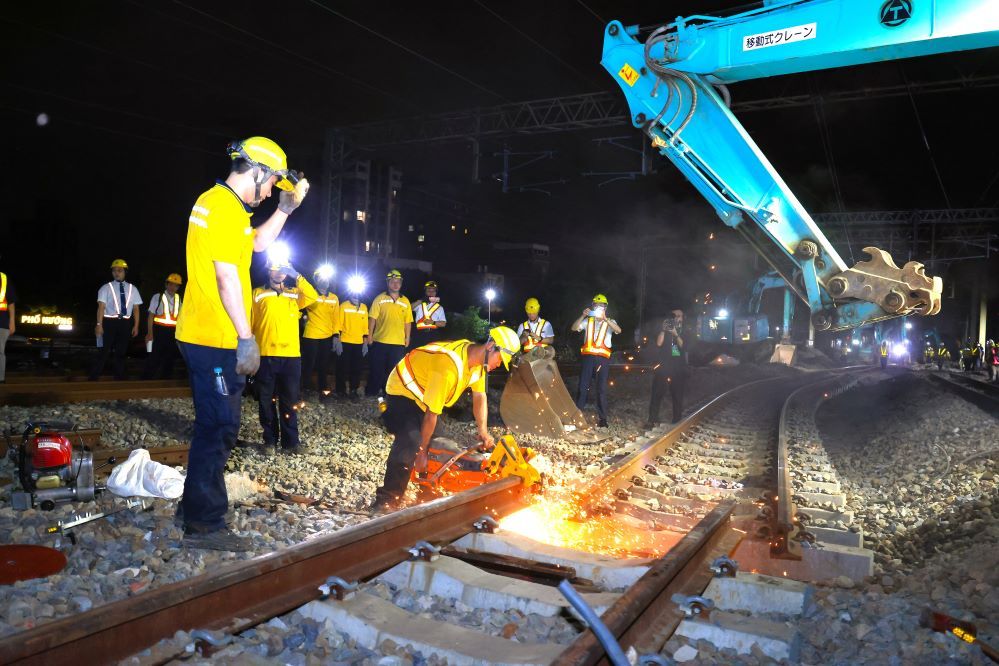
{"type": "Point", "coordinates": [421, 385]}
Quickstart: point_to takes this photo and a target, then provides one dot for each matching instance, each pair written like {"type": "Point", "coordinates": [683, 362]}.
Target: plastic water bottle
{"type": "Point", "coordinates": [220, 386]}
{"type": "Point", "coordinates": [381, 405]}
{"type": "Point", "coordinates": [100, 341]}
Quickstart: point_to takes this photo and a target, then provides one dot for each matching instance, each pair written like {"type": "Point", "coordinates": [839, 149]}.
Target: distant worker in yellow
{"type": "Point", "coordinates": [390, 321]}
{"type": "Point", "coordinates": [535, 332]}
{"type": "Point", "coordinates": [424, 382]}
{"type": "Point", "coordinates": [8, 324]}
{"type": "Point", "coordinates": [594, 362]}
{"type": "Point", "coordinates": [117, 321]}
{"type": "Point", "coordinates": [354, 341]}
{"type": "Point", "coordinates": [428, 316]}
{"type": "Point", "coordinates": [883, 353]}
{"type": "Point", "coordinates": [161, 329]}
{"type": "Point", "coordinates": [276, 311]}
{"type": "Point", "coordinates": [321, 338]}
{"type": "Point", "coordinates": [213, 330]}
{"type": "Point", "coordinates": [943, 356]}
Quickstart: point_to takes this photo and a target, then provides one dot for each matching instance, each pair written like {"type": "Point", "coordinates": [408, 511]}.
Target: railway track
{"type": "Point", "coordinates": [46, 391]}
{"type": "Point", "coordinates": [656, 518]}
{"type": "Point", "coordinates": [979, 393]}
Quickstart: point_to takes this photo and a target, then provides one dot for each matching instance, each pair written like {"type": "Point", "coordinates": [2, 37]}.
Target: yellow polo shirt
{"type": "Point", "coordinates": [324, 318]}
{"type": "Point", "coordinates": [275, 317]}
{"type": "Point", "coordinates": [434, 376]}
{"type": "Point", "coordinates": [353, 323]}
{"type": "Point", "coordinates": [391, 317]}
{"type": "Point", "coordinates": [218, 229]}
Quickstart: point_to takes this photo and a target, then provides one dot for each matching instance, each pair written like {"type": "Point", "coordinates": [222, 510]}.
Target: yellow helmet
{"type": "Point", "coordinates": [430, 284]}
{"type": "Point", "coordinates": [119, 263]}
{"type": "Point", "coordinates": [600, 298]}
{"type": "Point", "coordinates": [261, 151]}
{"type": "Point", "coordinates": [175, 278]}
{"type": "Point", "coordinates": [507, 343]}
{"type": "Point", "coordinates": [394, 273]}
{"type": "Point", "coordinates": [532, 306]}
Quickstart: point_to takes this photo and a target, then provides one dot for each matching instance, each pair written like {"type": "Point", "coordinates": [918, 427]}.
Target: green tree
{"type": "Point", "coordinates": [468, 326]}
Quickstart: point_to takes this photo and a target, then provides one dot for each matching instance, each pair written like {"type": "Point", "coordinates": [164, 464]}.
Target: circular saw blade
{"type": "Point", "coordinates": [23, 562]}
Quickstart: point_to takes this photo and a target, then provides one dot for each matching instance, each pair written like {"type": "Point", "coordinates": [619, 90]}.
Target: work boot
{"type": "Point", "coordinates": [602, 423]}
{"type": "Point", "coordinates": [216, 540]}
{"type": "Point", "coordinates": [651, 425]}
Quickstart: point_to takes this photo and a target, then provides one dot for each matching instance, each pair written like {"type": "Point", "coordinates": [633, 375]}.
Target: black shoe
{"type": "Point", "coordinates": [217, 540]}
{"type": "Point", "coordinates": [290, 450]}
{"type": "Point", "coordinates": [602, 423]}
{"type": "Point", "coordinates": [651, 425]}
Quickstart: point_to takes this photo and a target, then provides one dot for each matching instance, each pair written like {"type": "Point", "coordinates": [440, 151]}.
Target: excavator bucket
{"type": "Point", "coordinates": [535, 400]}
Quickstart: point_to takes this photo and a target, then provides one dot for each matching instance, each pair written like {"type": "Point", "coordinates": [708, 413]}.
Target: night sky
{"type": "Point", "coordinates": [142, 96]}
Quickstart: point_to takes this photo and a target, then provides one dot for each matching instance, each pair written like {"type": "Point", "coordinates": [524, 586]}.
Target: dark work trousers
{"type": "Point", "coordinates": [403, 418]}
{"type": "Point", "coordinates": [216, 426]}
{"type": "Point", "coordinates": [159, 365]}
{"type": "Point", "coordinates": [673, 380]}
{"type": "Point", "coordinates": [348, 369]}
{"type": "Point", "coordinates": [590, 365]}
{"type": "Point", "coordinates": [884, 362]}
{"type": "Point", "coordinates": [425, 337]}
{"type": "Point", "coordinates": [381, 359]}
{"type": "Point", "coordinates": [117, 333]}
{"type": "Point", "coordinates": [278, 381]}
{"type": "Point", "coordinates": [317, 356]}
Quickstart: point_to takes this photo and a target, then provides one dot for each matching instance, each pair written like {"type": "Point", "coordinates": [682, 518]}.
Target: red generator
{"type": "Point", "coordinates": [50, 470]}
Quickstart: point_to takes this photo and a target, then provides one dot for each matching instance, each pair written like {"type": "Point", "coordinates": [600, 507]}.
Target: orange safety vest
{"type": "Point", "coordinates": [3, 292]}
{"type": "Point", "coordinates": [168, 317]}
{"type": "Point", "coordinates": [595, 342]}
{"type": "Point", "coordinates": [531, 344]}
{"type": "Point", "coordinates": [425, 323]}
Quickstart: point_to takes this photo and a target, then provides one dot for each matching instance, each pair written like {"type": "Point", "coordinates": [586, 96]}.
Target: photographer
{"type": "Point", "coordinates": [671, 368]}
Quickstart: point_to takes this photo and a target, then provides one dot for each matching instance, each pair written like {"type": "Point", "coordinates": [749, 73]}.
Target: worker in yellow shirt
{"type": "Point", "coordinates": [213, 328]}
{"type": "Point", "coordinates": [423, 383]}
{"type": "Point", "coordinates": [353, 327]}
{"type": "Point", "coordinates": [276, 311]}
{"type": "Point", "coordinates": [321, 338]}
{"type": "Point", "coordinates": [390, 320]}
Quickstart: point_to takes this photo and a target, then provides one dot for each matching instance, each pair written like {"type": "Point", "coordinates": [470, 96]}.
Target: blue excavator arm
{"type": "Point", "coordinates": [675, 77]}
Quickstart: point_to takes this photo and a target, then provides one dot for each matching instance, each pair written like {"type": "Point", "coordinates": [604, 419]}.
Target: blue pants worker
{"type": "Point", "coordinates": [381, 359]}
{"type": "Point", "coordinates": [278, 381]}
{"type": "Point", "coordinates": [589, 366]}
{"type": "Point", "coordinates": [216, 426]}
{"type": "Point", "coordinates": [348, 369]}
{"type": "Point", "coordinates": [403, 419]}
{"type": "Point", "coordinates": [317, 356]}
{"type": "Point", "coordinates": [117, 333]}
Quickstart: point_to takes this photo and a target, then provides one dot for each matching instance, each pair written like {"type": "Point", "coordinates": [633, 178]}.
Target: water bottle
{"type": "Point", "coordinates": [220, 386]}
{"type": "Point", "coordinates": [100, 341]}
{"type": "Point", "coordinates": [381, 405]}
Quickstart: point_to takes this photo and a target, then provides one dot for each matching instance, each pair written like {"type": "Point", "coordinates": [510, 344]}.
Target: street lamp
{"type": "Point", "coordinates": [490, 295]}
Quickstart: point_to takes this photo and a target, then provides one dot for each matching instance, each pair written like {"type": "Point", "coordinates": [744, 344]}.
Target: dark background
{"type": "Point", "coordinates": [142, 96]}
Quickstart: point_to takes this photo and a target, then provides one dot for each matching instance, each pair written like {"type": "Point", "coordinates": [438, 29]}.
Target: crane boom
{"type": "Point", "coordinates": [673, 84]}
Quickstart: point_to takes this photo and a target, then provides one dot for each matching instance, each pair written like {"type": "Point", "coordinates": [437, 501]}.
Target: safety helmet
{"type": "Point", "coordinates": [175, 278]}
{"type": "Point", "coordinates": [600, 298]}
{"type": "Point", "coordinates": [264, 153]}
{"type": "Point", "coordinates": [532, 306]}
{"type": "Point", "coordinates": [507, 343]}
{"type": "Point", "coordinates": [119, 263]}
{"type": "Point", "coordinates": [394, 273]}
{"type": "Point", "coordinates": [430, 284]}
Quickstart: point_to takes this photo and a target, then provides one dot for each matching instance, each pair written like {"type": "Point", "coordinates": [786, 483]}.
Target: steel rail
{"type": "Point", "coordinates": [982, 395]}
{"type": "Point", "coordinates": [242, 594]}
{"type": "Point", "coordinates": [61, 392]}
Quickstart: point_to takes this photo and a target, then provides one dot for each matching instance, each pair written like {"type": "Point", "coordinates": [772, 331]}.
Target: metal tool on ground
{"type": "Point", "coordinates": [966, 631]}
{"type": "Point", "coordinates": [51, 470]}
{"type": "Point", "coordinates": [535, 400]}
{"type": "Point", "coordinates": [452, 469]}
{"type": "Point", "coordinates": [66, 527]}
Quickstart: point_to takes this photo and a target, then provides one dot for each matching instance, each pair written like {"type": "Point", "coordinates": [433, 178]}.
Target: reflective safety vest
{"type": "Point", "coordinates": [884, 348]}
{"type": "Point", "coordinates": [943, 352]}
{"type": "Point", "coordinates": [595, 342]}
{"type": "Point", "coordinates": [537, 328]}
{"type": "Point", "coordinates": [122, 314]}
{"type": "Point", "coordinates": [169, 316]}
{"type": "Point", "coordinates": [3, 292]}
{"type": "Point", "coordinates": [425, 323]}
{"type": "Point", "coordinates": [456, 352]}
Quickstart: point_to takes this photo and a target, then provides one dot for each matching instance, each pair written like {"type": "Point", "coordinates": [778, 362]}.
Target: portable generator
{"type": "Point", "coordinates": [453, 469]}
{"type": "Point", "coordinates": [50, 470]}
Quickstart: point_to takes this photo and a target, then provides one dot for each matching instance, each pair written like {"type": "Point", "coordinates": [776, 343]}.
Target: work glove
{"type": "Point", "coordinates": [337, 345]}
{"type": "Point", "coordinates": [289, 201]}
{"type": "Point", "coordinates": [247, 356]}
{"type": "Point", "coordinates": [364, 349]}
{"type": "Point", "coordinates": [290, 271]}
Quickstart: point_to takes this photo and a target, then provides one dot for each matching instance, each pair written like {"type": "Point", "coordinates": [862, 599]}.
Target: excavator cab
{"type": "Point", "coordinates": [535, 400]}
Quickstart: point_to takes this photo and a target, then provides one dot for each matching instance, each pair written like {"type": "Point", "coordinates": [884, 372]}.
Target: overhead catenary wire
{"type": "Point", "coordinates": [595, 15]}
{"type": "Point", "coordinates": [922, 131]}
{"type": "Point", "coordinates": [407, 49]}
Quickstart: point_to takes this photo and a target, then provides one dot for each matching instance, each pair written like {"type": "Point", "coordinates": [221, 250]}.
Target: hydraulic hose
{"type": "Point", "coordinates": [614, 652]}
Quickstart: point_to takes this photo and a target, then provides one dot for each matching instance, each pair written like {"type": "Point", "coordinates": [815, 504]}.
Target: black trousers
{"type": "Point", "coordinates": [595, 370]}
{"type": "Point", "coordinates": [348, 368]}
{"type": "Point", "coordinates": [317, 356]}
{"type": "Point", "coordinates": [425, 337]}
{"type": "Point", "coordinates": [381, 359]}
{"type": "Point", "coordinates": [674, 381]}
{"type": "Point", "coordinates": [159, 364]}
{"type": "Point", "coordinates": [403, 419]}
{"type": "Point", "coordinates": [884, 362]}
{"type": "Point", "coordinates": [278, 381]}
{"type": "Point", "coordinates": [117, 333]}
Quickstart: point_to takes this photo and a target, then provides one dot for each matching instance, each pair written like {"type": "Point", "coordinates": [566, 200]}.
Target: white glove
{"type": "Point", "coordinates": [337, 345]}
{"type": "Point", "coordinates": [289, 201]}
{"type": "Point", "coordinates": [364, 349]}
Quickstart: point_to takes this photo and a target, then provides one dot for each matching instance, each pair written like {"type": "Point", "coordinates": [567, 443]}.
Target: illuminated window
{"type": "Point", "coordinates": [367, 246]}
{"type": "Point", "coordinates": [466, 231]}
{"type": "Point", "coordinates": [361, 216]}
{"type": "Point", "coordinates": [453, 227]}
{"type": "Point", "coordinates": [420, 238]}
